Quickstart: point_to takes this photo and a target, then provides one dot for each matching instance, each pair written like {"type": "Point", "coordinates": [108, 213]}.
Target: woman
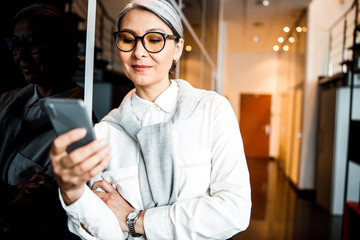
{"type": "Point", "coordinates": [44, 47]}
{"type": "Point", "coordinates": [177, 168]}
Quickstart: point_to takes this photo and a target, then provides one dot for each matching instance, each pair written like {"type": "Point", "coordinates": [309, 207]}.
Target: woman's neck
{"type": "Point", "coordinates": [151, 93]}
{"type": "Point", "coordinates": [49, 90]}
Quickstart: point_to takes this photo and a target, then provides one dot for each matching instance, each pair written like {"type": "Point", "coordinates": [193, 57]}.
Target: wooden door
{"type": "Point", "coordinates": [255, 111]}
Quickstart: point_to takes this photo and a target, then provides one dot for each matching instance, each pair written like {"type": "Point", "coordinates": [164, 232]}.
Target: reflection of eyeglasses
{"type": "Point", "coordinates": [29, 42]}
{"type": "Point", "coordinates": [153, 42]}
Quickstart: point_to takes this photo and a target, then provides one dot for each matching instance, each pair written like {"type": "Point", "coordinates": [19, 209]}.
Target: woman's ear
{"type": "Point", "coordinates": [178, 49]}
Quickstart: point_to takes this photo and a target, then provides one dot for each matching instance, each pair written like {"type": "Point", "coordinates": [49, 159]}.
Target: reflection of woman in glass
{"type": "Point", "coordinates": [177, 168]}
{"type": "Point", "coordinates": [44, 46]}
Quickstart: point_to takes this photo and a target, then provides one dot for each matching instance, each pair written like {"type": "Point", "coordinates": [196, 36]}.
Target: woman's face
{"type": "Point", "coordinates": [31, 63]}
{"type": "Point", "coordinates": [148, 70]}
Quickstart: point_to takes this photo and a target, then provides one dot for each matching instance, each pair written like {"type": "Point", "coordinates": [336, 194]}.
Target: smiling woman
{"type": "Point", "coordinates": [177, 168]}
{"type": "Point", "coordinates": [148, 68]}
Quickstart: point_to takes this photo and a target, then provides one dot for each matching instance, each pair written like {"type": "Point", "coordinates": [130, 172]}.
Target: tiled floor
{"type": "Point", "coordinates": [278, 213]}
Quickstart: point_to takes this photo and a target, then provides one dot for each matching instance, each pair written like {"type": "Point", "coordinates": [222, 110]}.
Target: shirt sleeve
{"type": "Point", "coordinates": [91, 212]}
{"type": "Point", "coordinates": [226, 209]}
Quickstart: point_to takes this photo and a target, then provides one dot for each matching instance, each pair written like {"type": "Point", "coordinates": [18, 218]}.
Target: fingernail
{"type": "Point", "coordinates": [83, 131]}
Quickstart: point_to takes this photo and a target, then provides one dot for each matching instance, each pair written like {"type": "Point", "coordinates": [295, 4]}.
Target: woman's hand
{"type": "Point", "coordinates": [73, 170]}
{"type": "Point", "coordinates": [120, 207]}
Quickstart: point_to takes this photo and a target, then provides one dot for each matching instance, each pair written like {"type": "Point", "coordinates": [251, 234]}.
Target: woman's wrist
{"type": "Point", "coordinates": [139, 224]}
{"type": "Point", "coordinates": [71, 196]}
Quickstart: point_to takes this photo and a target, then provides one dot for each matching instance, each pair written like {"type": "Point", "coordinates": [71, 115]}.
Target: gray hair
{"type": "Point", "coordinates": [161, 8]}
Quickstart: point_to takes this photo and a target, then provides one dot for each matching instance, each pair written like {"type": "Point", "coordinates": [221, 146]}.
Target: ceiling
{"type": "Point", "coordinates": [248, 18]}
{"type": "Point", "coordinates": [244, 20]}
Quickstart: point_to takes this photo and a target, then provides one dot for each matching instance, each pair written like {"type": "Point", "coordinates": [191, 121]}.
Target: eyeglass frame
{"type": "Point", "coordinates": [9, 43]}
{"type": "Point", "coordinates": [164, 35]}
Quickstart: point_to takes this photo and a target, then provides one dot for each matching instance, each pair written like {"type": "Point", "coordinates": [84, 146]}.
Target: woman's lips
{"type": "Point", "coordinates": [27, 69]}
{"type": "Point", "coordinates": [140, 68]}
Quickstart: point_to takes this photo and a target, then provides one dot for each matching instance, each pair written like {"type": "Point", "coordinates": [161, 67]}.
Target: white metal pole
{"type": "Point", "coordinates": [220, 50]}
{"type": "Point", "coordinates": [89, 56]}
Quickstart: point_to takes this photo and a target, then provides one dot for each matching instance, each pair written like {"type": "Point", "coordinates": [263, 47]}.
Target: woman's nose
{"type": "Point", "coordinates": [139, 50]}
{"type": "Point", "coordinates": [21, 53]}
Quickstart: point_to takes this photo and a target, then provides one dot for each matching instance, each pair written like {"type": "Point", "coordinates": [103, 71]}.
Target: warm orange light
{"type": "Point", "coordinates": [286, 29]}
{"type": "Point", "coordinates": [291, 39]}
{"type": "Point", "coordinates": [299, 29]}
{"type": "Point", "coordinates": [280, 39]}
{"type": "Point", "coordinates": [276, 48]}
{"type": "Point", "coordinates": [286, 48]}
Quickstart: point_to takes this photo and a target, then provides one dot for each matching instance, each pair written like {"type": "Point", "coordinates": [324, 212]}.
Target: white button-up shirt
{"type": "Point", "coordinates": [212, 176]}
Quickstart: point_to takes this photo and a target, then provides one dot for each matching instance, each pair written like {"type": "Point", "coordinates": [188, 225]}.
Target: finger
{"type": "Point", "coordinates": [99, 194]}
{"type": "Point", "coordinates": [80, 167]}
{"type": "Point", "coordinates": [64, 140]}
{"type": "Point", "coordinates": [77, 179]}
{"type": "Point", "coordinates": [99, 168]}
{"type": "Point", "coordinates": [84, 177]}
{"type": "Point", "coordinates": [87, 151]}
{"type": "Point", "coordinates": [105, 185]}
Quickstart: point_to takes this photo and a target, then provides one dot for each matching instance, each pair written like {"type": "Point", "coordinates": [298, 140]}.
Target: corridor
{"type": "Point", "coordinates": [279, 213]}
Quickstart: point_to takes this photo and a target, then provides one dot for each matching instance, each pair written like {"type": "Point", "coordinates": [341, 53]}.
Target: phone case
{"type": "Point", "coordinates": [68, 114]}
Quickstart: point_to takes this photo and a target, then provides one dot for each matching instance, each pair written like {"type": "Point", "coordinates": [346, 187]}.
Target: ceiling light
{"type": "Point", "coordinates": [266, 3]}
{"type": "Point", "coordinates": [276, 48]}
{"type": "Point", "coordinates": [286, 29]}
{"type": "Point", "coordinates": [188, 48]}
{"type": "Point", "coordinates": [255, 38]}
{"type": "Point", "coordinates": [291, 39]}
{"type": "Point", "coordinates": [299, 29]}
{"type": "Point", "coordinates": [280, 39]}
{"type": "Point", "coordinates": [304, 29]}
{"type": "Point", "coordinates": [286, 48]}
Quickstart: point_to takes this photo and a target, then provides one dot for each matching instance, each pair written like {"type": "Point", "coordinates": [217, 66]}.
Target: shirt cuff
{"type": "Point", "coordinates": [157, 223]}
{"type": "Point", "coordinates": [90, 211]}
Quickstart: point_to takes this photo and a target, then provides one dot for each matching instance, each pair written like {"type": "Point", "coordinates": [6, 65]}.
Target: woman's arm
{"type": "Point", "coordinates": [120, 207]}
{"type": "Point", "coordinates": [73, 170]}
{"type": "Point", "coordinates": [89, 217]}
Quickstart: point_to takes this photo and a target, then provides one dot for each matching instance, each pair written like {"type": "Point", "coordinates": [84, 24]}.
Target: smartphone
{"type": "Point", "coordinates": [67, 114]}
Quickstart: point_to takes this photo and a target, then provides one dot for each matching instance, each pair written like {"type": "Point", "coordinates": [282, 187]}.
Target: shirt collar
{"type": "Point", "coordinates": [36, 97]}
{"type": "Point", "coordinates": [140, 106]}
{"type": "Point", "coordinates": [33, 98]}
{"type": "Point", "coordinates": [166, 101]}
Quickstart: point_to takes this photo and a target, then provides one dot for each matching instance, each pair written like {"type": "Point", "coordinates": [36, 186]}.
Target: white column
{"type": "Point", "coordinates": [89, 56]}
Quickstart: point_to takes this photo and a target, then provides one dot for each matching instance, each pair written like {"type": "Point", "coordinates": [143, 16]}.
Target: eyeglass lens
{"type": "Point", "coordinates": [28, 42]}
{"type": "Point", "coordinates": [153, 42]}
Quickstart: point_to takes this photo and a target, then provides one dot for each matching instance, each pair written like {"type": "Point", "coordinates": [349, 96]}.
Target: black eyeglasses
{"type": "Point", "coordinates": [153, 42]}
{"type": "Point", "coordinates": [29, 42]}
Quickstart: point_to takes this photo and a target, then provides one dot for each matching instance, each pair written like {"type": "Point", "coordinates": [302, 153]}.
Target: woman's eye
{"type": "Point", "coordinates": [155, 40]}
{"type": "Point", "coordinates": [127, 41]}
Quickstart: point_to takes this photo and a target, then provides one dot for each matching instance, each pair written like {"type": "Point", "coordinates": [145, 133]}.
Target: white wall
{"type": "Point", "coordinates": [322, 14]}
{"type": "Point", "coordinates": [249, 72]}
